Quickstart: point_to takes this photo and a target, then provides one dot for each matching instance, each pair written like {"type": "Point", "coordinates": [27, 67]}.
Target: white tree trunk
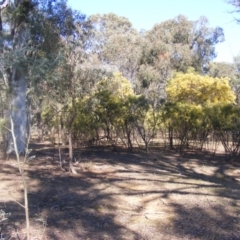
{"type": "Point", "coordinates": [18, 85]}
{"type": "Point", "coordinates": [18, 113]}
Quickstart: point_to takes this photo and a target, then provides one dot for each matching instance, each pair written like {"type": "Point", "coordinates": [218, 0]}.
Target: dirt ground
{"type": "Point", "coordinates": [122, 195]}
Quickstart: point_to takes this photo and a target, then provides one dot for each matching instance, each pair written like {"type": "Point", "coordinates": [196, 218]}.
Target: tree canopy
{"type": "Point", "coordinates": [97, 77]}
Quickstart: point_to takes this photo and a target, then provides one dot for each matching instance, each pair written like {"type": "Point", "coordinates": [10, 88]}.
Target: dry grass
{"type": "Point", "coordinates": [162, 195]}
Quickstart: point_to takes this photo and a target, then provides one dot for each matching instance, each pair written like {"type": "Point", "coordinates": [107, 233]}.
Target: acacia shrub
{"type": "Point", "coordinates": [190, 98]}
{"type": "Point", "coordinates": [225, 121]}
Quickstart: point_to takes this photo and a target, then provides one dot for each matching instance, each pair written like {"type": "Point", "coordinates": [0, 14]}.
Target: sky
{"type": "Point", "coordinates": [144, 14]}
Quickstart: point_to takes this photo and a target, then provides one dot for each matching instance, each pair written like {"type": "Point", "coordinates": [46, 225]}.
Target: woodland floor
{"type": "Point", "coordinates": [122, 195]}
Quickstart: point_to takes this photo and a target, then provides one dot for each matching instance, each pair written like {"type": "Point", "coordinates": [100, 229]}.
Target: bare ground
{"type": "Point", "coordinates": [122, 195]}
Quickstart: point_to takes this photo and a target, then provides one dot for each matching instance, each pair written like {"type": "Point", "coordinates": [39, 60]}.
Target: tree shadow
{"type": "Point", "coordinates": [190, 202]}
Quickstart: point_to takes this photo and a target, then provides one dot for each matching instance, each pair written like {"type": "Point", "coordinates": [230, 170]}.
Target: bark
{"type": "Point", "coordinates": [18, 87]}
{"type": "Point", "coordinates": [4, 4]}
{"type": "Point", "coordinates": [146, 146]}
{"type": "Point", "coordinates": [71, 167]}
{"type": "Point", "coordinates": [129, 141]}
{"type": "Point", "coordinates": [18, 113]}
{"type": "Point", "coordinates": [170, 135]}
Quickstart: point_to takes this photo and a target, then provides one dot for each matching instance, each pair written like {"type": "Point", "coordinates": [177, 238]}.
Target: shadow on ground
{"type": "Point", "coordinates": [125, 195]}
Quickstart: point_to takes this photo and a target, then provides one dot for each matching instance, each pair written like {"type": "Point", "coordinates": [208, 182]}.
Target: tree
{"type": "Point", "coordinates": [203, 44]}
{"type": "Point", "coordinates": [236, 4]}
{"type": "Point", "coordinates": [153, 74]}
{"type": "Point", "coordinates": [187, 43]}
{"type": "Point", "coordinates": [13, 69]}
{"type": "Point", "coordinates": [191, 97]}
{"type": "Point", "coordinates": [222, 69]}
{"type": "Point", "coordinates": [235, 83]}
{"type": "Point", "coordinates": [116, 85]}
{"type": "Point", "coordinates": [114, 109]}
{"type": "Point", "coordinates": [173, 38]}
{"type": "Point", "coordinates": [225, 122]}
{"type": "Point", "coordinates": [146, 120]}
{"type": "Point", "coordinates": [187, 121]}
{"type": "Point", "coordinates": [73, 75]}
{"type": "Point", "coordinates": [229, 70]}
{"type": "Point", "coordinates": [155, 65]}
{"type": "Point", "coordinates": [175, 45]}
{"type": "Point", "coordinates": [30, 39]}
{"type": "Point", "coordinates": [117, 43]}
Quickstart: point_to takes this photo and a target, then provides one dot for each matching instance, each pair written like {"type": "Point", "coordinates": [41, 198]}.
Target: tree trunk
{"type": "Point", "coordinates": [71, 167]}
{"type": "Point", "coordinates": [170, 135]}
{"type": "Point", "coordinates": [18, 112]}
{"type": "Point", "coordinates": [130, 146]}
{"type": "Point", "coordinates": [146, 146]}
{"type": "Point", "coordinates": [18, 82]}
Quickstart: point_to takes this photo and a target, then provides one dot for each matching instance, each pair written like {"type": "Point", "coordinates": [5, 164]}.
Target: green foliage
{"type": "Point", "coordinates": [148, 75]}
{"type": "Point", "coordinates": [49, 116]}
{"type": "Point", "coordinates": [3, 125]}
{"type": "Point", "coordinates": [225, 120]}
{"type": "Point", "coordinates": [222, 69]}
{"type": "Point", "coordinates": [116, 42]}
{"type": "Point", "coordinates": [191, 122]}
{"type": "Point", "coordinates": [193, 99]}
{"type": "Point", "coordinates": [102, 109]}
{"type": "Point", "coordinates": [187, 121]}
{"type": "Point", "coordinates": [147, 120]}
{"type": "Point", "coordinates": [20, 13]}
{"type": "Point", "coordinates": [116, 85]}
{"type": "Point", "coordinates": [112, 108]}
{"type": "Point", "coordinates": [202, 105]}
{"type": "Point", "coordinates": [96, 101]}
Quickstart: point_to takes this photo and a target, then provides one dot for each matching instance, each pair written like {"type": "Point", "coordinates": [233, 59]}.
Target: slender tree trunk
{"type": "Point", "coordinates": [24, 182]}
{"type": "Point", "coordinates": [146, 146]}
{"type": "Point", "coordinates": [71, 167]}
{"type": "Point", "coordinates": [170, 135]}
{"type": "Point", "coordinates": [130, 146]}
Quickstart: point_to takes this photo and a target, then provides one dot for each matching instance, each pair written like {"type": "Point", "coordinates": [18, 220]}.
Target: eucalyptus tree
{"type": "Point", "coordinates": [77, 73]}
{"type": "Point", "coordinates": [175, 45]}
{"type": "Point", "coordinates": [14, 40]}
{"type": "Point", "coordinates": [117, 43]}
{"type": "Point", "coordinates": [19, 51]}
{"type": "Point", "coordinates": [203, 43]}
{"type": "Point", "coordinates": [154, 70]}
{"type": "Point", "coordinates": [166, 49]}
{"type": "Point", "coordinates": [31, 33]}
{"type": "Point", "coordinates": [222, 69]}
{"type": "Point", "coordinates": [235, 82]}
{"type": "Point", "coordinates": [236, 4]}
